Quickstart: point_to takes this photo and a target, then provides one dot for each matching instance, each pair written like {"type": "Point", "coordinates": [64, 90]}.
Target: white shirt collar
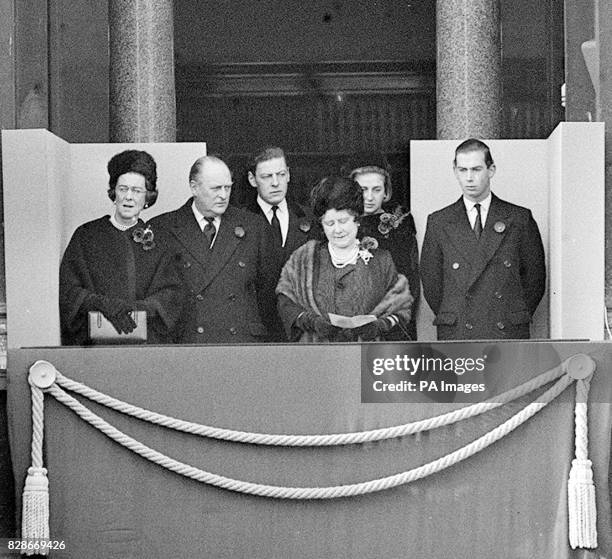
{"type": "Point", "coordinates": [267, 208]}
{"type": "Point", "coordinates": [202, 220]}
{"type": "Point", "coordinates": [484, 204]}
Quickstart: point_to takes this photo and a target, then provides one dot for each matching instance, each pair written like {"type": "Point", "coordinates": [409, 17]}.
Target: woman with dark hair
{"type": "Point", "coordinates": [392, 226]}
{"type": "Point", "coordinates": [341, 276]}
{"type": "Point", "coordinates": [113, 266]}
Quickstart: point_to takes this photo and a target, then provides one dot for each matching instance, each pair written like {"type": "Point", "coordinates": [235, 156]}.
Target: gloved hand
{"type": "Point", "coordinates": [312, 322]}
{"type": "Point", "coordinates": [372, 330]}
{"type": "Point", "coordinates": [116, 311]}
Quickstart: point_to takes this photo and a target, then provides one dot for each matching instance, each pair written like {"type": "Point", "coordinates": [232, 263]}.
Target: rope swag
{"type": "Point", "coordinates": [581, 491]}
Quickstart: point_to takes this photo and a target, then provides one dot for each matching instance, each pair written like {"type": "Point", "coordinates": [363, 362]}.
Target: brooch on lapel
{"type": "Point", "coordinates": [499, 226]}
{"type": "Point", "coordinates": [239, 232]}
{"type": "Point", "coordinates": [304, 226]}
{"type": "Point", "coordinates": [391, 220]}
{"type": "Point", "coordinates": [144, 237]}
{"type": "Point", "coordinates": [367, 244]}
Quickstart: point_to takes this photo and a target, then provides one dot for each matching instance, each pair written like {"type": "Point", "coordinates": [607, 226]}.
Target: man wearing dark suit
{"type": "Point", "coordinates": [290, 225]}
{"type": "Point", "coordinates": [219, 251]}
{"type": "Point", "coordinates": [482, 263]}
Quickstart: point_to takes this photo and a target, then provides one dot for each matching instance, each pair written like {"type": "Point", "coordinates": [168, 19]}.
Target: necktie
{"type": "Point", "coordinates": [276, 228]}
{"type": "Point", "coordinates": [209, 230]}
{"type": "Point", "coordinates": [478, 222]}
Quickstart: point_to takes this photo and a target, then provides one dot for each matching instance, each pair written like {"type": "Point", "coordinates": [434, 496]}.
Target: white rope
{"type": "Point", "coordinates": [281, 492]}
{"type": "Point", "coordinates": [35, 498]}
{"type": "Point", "coordinates": [582, 509]}
{"type": "Point", "coordinates": [311, 440]}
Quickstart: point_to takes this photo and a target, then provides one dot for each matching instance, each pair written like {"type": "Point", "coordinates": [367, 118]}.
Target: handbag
{"type": "Point", "coordinates": [101, 331]}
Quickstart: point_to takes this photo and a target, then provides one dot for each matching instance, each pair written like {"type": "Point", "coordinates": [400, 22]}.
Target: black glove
{"type": "Point", "coordinates": [312, 322]}
{"type": "Point", "coordinates": [116, 311]}
{"type": "Point", "coordinates": [372, 330]}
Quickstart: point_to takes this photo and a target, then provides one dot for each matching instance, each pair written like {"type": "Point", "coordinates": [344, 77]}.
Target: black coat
{"type": "Point", "coordinates": [487, 288]}
{"type": "Point", "coordinates": [223, 284]}
{"type": "Point", "coordinates": [301, 229]}
{"type": "Point", "coordinates": [102, 260]}
{"type": "Point", "coordinates": [401, 242]}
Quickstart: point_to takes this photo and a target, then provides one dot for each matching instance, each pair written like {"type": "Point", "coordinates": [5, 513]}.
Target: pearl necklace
{"type": "Point", "coordinates": [342, 261]}
{"type": "Point", "coordinates": [120, 226]}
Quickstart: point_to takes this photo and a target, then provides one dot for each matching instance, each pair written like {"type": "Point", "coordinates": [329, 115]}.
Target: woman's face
{"type": "Point", "coordinates": [130, 197]}
{"type": "Point", "coordinates": [340, 228]}
{"type": "Point", "coordinates": [373, 188]}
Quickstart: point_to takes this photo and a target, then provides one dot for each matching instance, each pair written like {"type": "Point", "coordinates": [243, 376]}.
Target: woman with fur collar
{"type": "Point", "coordinates": [341, 276]}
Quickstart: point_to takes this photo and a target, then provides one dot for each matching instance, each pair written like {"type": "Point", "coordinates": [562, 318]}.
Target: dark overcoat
{"type": "Point", "coordinates": [487, 288]}
{"type": "Point", "coordinates": [102, 260]}
{"type": "Point", "coordinates": [400, 241]}
{"type": "Point", "coordinates": [223, 283]}
{"type": "Point", "coordinates": [301, 229]}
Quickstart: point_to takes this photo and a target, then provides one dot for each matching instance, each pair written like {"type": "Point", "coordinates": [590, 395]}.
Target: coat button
{"type": "Point", "coordinates": [469, 325]}
{"type": "Point", "coordinates": [187, 264]}
{"type": "Point", "coordinates": [501, 325]}
{"type": "Point", "coordinates": [241, 264]}
{"type": "Point", "coordinates": [498, 295]}
{"type": "Point", "coordinates": [455, 265]}
{"type": "Point", "coordinates": [200, 330]}
{"type": "Point", "coordinates": [200, 297]}
{"type": "Point", "coordinates": [507, 263]}
{"type": "Point", "coordinates": [233, 331]}
{"type": "Point", "coordinates": [232, 297]}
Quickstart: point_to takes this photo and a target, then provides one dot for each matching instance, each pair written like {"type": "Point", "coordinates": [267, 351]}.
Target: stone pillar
{"type": "Point", "coordinates": [468, 69]}
{"type": "Point", "coordinates": [141, 82]}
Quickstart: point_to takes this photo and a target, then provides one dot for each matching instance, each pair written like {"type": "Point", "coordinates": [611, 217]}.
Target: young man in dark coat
{"type": "Point", "coordinates": [290, 224]}
{"type": "Point", "coordinates": [220, 253]}
{"type": "Point", "coordinates": [482, 262]}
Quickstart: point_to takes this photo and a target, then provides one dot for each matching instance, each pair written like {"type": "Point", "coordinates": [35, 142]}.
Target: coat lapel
{"type": "Point", "coordinates": [189, 234]}
{"type": "Point", "coordinates": [296, 236]}
{"type": "Point", "coordinates": [491, 239]}
{"type": "Point", "coordinates": [460, 234]}
{"type": "Point", "coordinates": [226, 243]}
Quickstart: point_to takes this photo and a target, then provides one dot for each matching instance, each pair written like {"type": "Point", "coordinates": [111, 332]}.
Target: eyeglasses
{"type": "Point", "coordinates": [135, 190]}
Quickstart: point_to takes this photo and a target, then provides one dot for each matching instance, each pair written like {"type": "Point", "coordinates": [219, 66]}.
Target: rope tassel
{"type": "Point", "coordinates": [581, 504]}
{"type": "Point", "coordinates": [35, 512]}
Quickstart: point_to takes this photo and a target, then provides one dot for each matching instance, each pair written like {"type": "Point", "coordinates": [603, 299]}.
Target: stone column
{"type": "Point", "coordinates": [468, 69]}
{"type": "Point", "coordinates": [141, 82]}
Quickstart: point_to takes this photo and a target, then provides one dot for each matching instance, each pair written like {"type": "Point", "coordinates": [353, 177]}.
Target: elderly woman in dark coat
{"type": "Point", "coordinates": [342, 276]}
{"type": "Point", "coordinates": [114, 266]}
{"type": "Point", "coordinates": [392, 226]}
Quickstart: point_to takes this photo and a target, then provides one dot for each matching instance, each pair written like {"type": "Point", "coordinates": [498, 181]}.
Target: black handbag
{"type": "Point", "coordinates": [101, 331]}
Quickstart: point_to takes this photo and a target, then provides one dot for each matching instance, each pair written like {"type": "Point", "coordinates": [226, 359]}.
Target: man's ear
{"type": "Point", "coordinates": [492, 170]}
{"type": "Point", "coordinates": [251, 178]}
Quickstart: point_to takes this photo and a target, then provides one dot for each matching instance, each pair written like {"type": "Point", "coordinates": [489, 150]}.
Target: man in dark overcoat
{"type": "Point", "coordinates": [220, 253]}
{"type": "Point", "coordinates": [482, 262]}
{"type": "Point", "coordinates": [290, 224]}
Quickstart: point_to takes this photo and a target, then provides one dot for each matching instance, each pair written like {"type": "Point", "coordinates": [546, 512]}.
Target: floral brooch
{"type": "Point", "coordinates": [239, 232]}
{"type": "Point", "coordinates": [304, 226]}
{"type": "Point", "coordinates": [365, 246]}
{"type": "Point", "coordinates": [391, 220]}
{"type": "Point", "coordinates": [145, 237]}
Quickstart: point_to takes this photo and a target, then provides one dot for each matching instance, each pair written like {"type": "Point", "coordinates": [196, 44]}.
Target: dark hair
{"type": "Point", "coordinates": [338, 193]}
{"type": "Point", "coordinates": [472, 144]}
{"type": "Point", "coordinates": [267, 153]}
{"type": "Point", "coordinates": [133, 161]}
